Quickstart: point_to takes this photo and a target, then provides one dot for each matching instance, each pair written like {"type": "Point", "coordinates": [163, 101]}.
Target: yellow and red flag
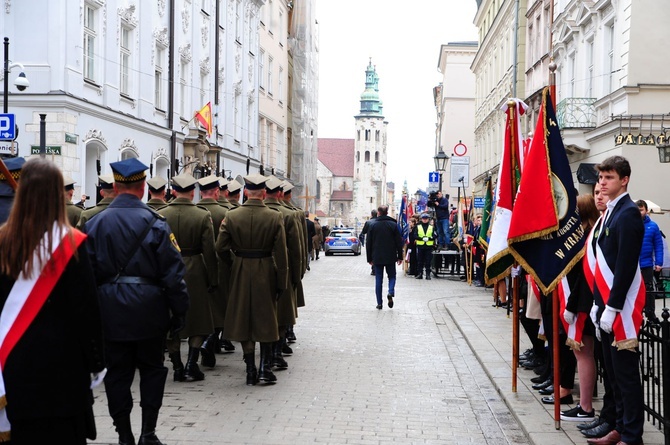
{"type": "Point", "coordinates": [204, 116]}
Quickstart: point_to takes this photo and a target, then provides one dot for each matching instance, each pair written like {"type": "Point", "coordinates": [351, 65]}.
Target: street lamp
{"type": "Point", "coordinates": [441, 159]}
{"type": "Point", "coordinates": [21, 82]}
{"type": "Point", "coordinates": [663, 149]}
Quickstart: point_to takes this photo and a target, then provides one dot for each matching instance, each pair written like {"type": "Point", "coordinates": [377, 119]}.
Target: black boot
{"type": "Point", "coordinates": [226, 345]}
{"type": "Point", "coordinates": [125, 431]}
{"type": "Point", "coordinates": [149, 419]}
{"type": "Point", "coordinates": [252, 372]}
{"type": "Point", "coordinates": [192, 371]}
{"type": "Point", "coordinates": [177, 366]}
{"type": "Point", "coordinates": [217, 341]}
{"type": "Point", "coordinates": [207, 350]}
{"type": "Point", "coordinates": [277, 357]}
{"type": "Point", "coordinates": [264, 372]}
{"type": "Point", "coordinates": [290, 335]}
{"type": "Point", "coordinates": [285, 348]}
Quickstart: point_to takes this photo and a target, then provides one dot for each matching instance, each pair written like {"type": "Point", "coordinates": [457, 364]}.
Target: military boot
{"type": "Point", "coordinates": [177, 366]}
{"type": "Point", "coordinates": [227, 346]}
{"type": "Point", "coordinates": [192, 371]}
{"type": "Point", "coordinates": [149, 419]}
{"type": "Point", "coordinates": [277, 357]}
{"type": "Point", "coordinates": [264, 372]}
{"type": "Point", "coordinates": [252, 372]}
{"type": "Point", "coordinates": [124, 429]}
{"type": "Point", "coordinates": [207, 350]}
{"type": "Point", "coordinates": [290, 335]}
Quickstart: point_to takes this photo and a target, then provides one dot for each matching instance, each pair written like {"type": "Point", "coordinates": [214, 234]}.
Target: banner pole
{"type": "Point", "coordinates": [556, 361]}
{"type": "Point", "coordinates": [515, 331]}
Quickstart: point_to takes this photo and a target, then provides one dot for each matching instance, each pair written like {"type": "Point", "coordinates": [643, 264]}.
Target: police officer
{"type": "Point", "coordinates": [233, 194]}
{"type": "Point", "coordinates": [14, 166]}
{"type": "Point", "coordinates": [192, 226]}
{"type": "Point", "coordinates": [140, 277]}
{"type": "Point", "coordinates": [73, 211]}
{"type": "Point", "coordinates": [106, 185]}
{"type": "Point", "coordinates": [425, 242]}
{"type": "Point", "coordinates": [286, 306]}
{"type": "Point", "coordinates": [259, 275]}
{"type": "Point", "coordinates": [156, 193]}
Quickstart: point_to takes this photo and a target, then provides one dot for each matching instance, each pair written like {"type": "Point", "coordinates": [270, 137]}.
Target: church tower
{"type": "Point", "coordinates": [370, 150]}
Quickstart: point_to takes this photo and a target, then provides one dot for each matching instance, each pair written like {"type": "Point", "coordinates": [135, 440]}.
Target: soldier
{"type": "Point", "coordinates": [156, 193]}
{"type": "Point", "coordinates": [233, 194]}
{"type": "Point", "coordinates": [223, 192]}
{"type": "Point", "coordinates": [140, 277]}
{"type": "Point", "coordinates": [192, 226]}
{"type": "Point", "coordinates": [73, 211]}
{"type": "Point", "coordinates": [317, 240]}
{"type": "Point", "coordinates": [209, 195]}
{"type": "Point", "coordinates": [259, 275]}
{"type": "Point", "coordinates": [224, 345]}
{"type": "Point", "coordinates": [286, 306]}
{"type": "Point", "coordinates": [14, 166]}
{"type": "Point", "coordinates": [106, 184]}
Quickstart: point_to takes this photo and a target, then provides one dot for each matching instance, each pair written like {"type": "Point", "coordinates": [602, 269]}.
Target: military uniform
{"type": "Point", "coordinates": [73, 211]}
{"type": "Point", "coordinates": [192, 226]}
{"type": "Point", "coordinates": [223, 201]}
{"type": "Point", "coordinates": [105, 182]}
{"type": "Point", "coordinates": [157, 186]}
{"type": "Point", "coordinates": [14, 166]}
{"type": "Point", "coordinates": [140, 278]}
{"type": "Point", "coordinates": [255, 234]}
{"type": "Point", "coordinates": [234, 188]}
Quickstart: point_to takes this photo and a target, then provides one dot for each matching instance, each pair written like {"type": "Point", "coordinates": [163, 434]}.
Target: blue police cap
{"type": "Point", "coordinates": [129, 170]}
{"type": "Point", "coordinates": [425, 215]}
{"type": "Point", "coordinates": [14, 165]}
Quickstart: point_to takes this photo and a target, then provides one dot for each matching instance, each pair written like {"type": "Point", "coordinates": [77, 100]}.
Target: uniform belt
{"type": "Point", "coordinates": [124, 279]}
{"type": "Point", "coordinates": [185, 251]}
{"type": "Point", "coordinates": [253, 253]}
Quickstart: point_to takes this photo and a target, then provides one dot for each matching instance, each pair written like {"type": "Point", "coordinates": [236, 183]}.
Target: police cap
{"type": "Point", "coordinates": [129, 170]}
{"type": "Point", "coordinates": [209, 182]}
{"type": "Point", "coordinates": [14, 165]}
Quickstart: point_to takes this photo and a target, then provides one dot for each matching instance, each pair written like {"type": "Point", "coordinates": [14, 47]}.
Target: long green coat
{"type": "Point", "coordinates": [73, 213]}
{"type": "Point", "coordinates": [90, 213]}
{"type": "Point", "coordinates": [252, 309]}
{"type": "Point", "coordinates": [156, 203]}
{"type": "Point", "coordinates": [300, 217]}
{"type": "Point", "coordinates": [286, 306]}
{"type": "Point", "coordinates": [219, 299]}
{"type": "Point", "coordinates": [192, 226]}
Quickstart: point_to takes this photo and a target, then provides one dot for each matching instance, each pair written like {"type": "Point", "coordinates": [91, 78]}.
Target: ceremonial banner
{"type": "Point", "coordinates": [402, 220]}
{"type": "Point", "coordinates": [486, 216]}
{"type": "Point", "coordinates": [545, 234]}
{"type": "Point", "coordinates": [204, 116]}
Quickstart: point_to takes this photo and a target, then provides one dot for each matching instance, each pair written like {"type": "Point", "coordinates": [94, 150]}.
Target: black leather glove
{"type": "Point", "coordinates": [177, 323]}
{"type": "Point", "coordinates": [280, 292]}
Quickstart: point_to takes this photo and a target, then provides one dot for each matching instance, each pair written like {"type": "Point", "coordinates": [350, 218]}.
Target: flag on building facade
{"type": "Point", "coordinates": [487, 214]}
{"type": "Point", "coordinates": [545, 234]}
{"type": "Point", "coordinates": [204, 116]}
{"type": "Point", "coordinates": [499, 259]}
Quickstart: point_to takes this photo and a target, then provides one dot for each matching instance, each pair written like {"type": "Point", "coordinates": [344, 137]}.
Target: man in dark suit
{"type": "Point", "coordinates": [619, 297]}
{"type": "Point", "coordinates": [384, 249]}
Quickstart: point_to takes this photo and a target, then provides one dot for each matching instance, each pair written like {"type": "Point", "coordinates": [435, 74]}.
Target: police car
{"type": "Point", "coordinates": [342, 240]}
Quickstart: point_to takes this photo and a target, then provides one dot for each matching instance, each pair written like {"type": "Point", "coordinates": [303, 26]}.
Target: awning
{"type": "Point", "coordinates": [653, 207]}
{"type": "Point", "coordinates": [587, 173]}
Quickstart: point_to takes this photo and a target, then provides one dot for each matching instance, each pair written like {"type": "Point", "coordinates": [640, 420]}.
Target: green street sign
{"type": "Point", "coordinates": [70, 138]}
{"type": "Point", "coordinates": [50, 150]}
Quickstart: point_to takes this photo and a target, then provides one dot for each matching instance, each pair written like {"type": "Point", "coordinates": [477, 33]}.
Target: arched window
{"type": "Point", "coordinates": [367, 156]}
{"type": "Point", "coordinates": [359, 134]}
{"type": "Point", "coordinates": [367, 135]}
{"type": "Point", "coordinates": [358, 156]}
{"type": "Point", "coordinates": [377, 135]}
{"type": "Point", "coordinates": [318, 190]}
{"type": "Point", "coordinates": [377, 157]}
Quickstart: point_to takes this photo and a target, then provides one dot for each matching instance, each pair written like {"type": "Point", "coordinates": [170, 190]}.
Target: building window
{"type": "Point", "coordinates": [90, 35]}
{"type": "Point", "coordinates": [367, 135]}
{"type": "Point", "coordinates": [158, 78]}
{"type": "Point", "coordinates": [125, 53]}
{"type": "Point", "coordinates": [261, 69]}
{"type": "Point", "coordinates": [237, 124]}
{"type": "Point", "coordinates": [571, 68]}
{"type": "Point", "coordinates": [281, 28]}
{"type": "Point", "coordinates": [182, 89]}
{"type": "Point", "coordinates": [270, 16]}
{"type": "Point", "coordinates": [377, 157]}
{"type": "Point", "coordinates": [358, 156]}
{"type": "Point", "coordinates": [609, 64]}
{"type": "Point", "coordinates": [238, 21]}
{"type": "Point", "coordinates": [377, 133]}
{"type": "Point", "coordinates": [280, 85]}
{"type": "Point", "coordinates": [270, 68]}
{"type": "Point", "coordinates": [281, 151]}
{"type": "Point", "coordinates": [370, 200]}
{"type": "Point", "coordinates": [359, 134]}
{"type": "Point", "coordinates": [203, 88]}
{"type": "Point", "coordinates": [589, 74]}
{"type": "Point", "coordinates": [269, 148]}
{"type": "Point", "coordinates": [367, 156]}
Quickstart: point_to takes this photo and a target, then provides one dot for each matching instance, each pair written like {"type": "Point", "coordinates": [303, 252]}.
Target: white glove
{"type": "Point", "coordinates": [594, 315]}
{"type": "Point", "coordinates": [98, 377]}
{"type": "Point", "coordinates": [569, 317]}
{"type": "Point", "coordinates": [515, 271]}
{"type": "Point", "coordinates": [598, 333]}
{"type": "Point", "coordinates": [607, 319]}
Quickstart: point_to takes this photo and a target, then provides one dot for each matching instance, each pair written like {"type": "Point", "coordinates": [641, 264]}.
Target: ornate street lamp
{"type": "Point", "coordinates": [441, 159]}
{"type": "Point", "coordinates": [663, 149]}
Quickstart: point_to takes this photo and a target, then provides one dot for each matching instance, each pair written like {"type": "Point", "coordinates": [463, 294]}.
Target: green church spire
{"type": "Point", "coordinates": [370, 103]}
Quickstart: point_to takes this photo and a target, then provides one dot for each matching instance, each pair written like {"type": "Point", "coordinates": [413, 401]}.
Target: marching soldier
{"type": "Point", "coordinates": [192, 226]}
{"type": "Point", "coordinates": [225, 264]}
{"type": "Point", "coordinates": [14, 166]}
{"type": "Point", "coordinates": [223, 192]}
{"type": "Point", "coordinates": [140, 277]}
{"type": "Point", "coordinates": [259, 276]}
{"type": "Point", "coordinates": [73, 211]}
{"type": "Point", "coordinates": [233, 194]}
{"type": "Point", "coordinates": [156, 193]}
{"type": "Point", "coordinates": [106, 184]}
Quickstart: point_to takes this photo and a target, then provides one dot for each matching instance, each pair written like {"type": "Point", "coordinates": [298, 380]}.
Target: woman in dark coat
{"type": "Point", "coordinates": [47, 372]}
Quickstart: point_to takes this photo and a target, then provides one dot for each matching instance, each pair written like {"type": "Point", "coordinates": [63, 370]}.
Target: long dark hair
{"type": "Point", "coordinates": [588, 212]}
{"type": "Point", "coordinates": [38, 204]}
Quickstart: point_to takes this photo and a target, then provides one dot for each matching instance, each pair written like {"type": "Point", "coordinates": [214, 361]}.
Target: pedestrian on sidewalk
{"type": "Point", "coordinates": [651, 258]}
{"type": "Point", "coordinates": [384, 249]}
{"type": "Point", "coordinates": [317, 239]}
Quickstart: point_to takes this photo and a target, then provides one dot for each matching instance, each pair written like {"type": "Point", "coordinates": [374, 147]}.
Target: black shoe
{"type": "Point", "coordinates": [547, 390]}
{"type": "Point", "coordinates": [590, 425]}
{"type": "Point", "coordinates": [372, 272]}
{"type": "Point", "coordinates": [542, 370]}
{"type": "Point", "coordinates": [542, 385]}
{"type": "Point", "coordinates": [528, 353]}
{"type": "Point", "coordinates": [538, 379]}
{"type": "Point", "coordinates": [286, 349]}
{"type": "Point", "coordinates": [207, 352]}
{"type": "Point", "coordinates": [308, 268]}
{"type": "Point", "coordinates": [567, 400]}
{"type": "Point", "coordinates": [428, 277]}
{"type": "Point", "coordinates": [192, 371]}
{"type": "Point", "coordinates": [419, 277]}
{"type": "Point", "coordinates": [600, 431]}
{"type": "Point", "coordinates": [290, 335]}
{"type": "Point", "coordinates": [149, 439]}
{"type": "Point", "coordinates": [390, 298]}
{"type": "Point", "coordinates": [577, 414]}
{"type": "Point", "coordinates": [379, 306]}
{"type": "Point", "coordinates": [532, 364]}
{"type": "Point", "coordinates": [252, 372]}
{"type": "Point", "coordinates": [227, 346]}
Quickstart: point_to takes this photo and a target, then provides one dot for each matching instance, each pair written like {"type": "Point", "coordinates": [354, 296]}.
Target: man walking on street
{"type": "Point", "coordinates": [383, 250]}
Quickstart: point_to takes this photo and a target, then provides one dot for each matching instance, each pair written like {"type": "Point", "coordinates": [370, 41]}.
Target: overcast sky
{"type": "Point", "coordinates": [403, 38]}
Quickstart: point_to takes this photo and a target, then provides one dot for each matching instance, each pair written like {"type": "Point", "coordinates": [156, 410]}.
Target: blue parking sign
{"type": "Point", "coordinates": [7, 127]}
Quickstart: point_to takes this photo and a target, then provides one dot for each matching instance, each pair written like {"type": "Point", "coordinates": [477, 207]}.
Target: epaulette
{"type": "Point", "coordinates": [201, 207]}
{"type": "Point", "coordinates": [156, 214]}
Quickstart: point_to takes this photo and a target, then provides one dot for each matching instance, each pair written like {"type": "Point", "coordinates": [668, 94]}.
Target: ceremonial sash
{"type": "Point", "coordinates": [574, 331]}
{"type": "Point", "coordinates": [27, 297]}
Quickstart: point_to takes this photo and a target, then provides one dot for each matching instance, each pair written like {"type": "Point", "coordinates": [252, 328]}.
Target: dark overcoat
{"type": "Point", "coordinates": [90, 213]}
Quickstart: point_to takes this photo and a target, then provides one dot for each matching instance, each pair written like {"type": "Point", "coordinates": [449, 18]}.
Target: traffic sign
{"type": "Point", "coordinates": [6, 148]}
{"type": "Point", "coordinates": [7, 127]}
{"type": "Point", "coordinates": [479, 202]}
{"type": "Point", "coordinates": [433, 177]}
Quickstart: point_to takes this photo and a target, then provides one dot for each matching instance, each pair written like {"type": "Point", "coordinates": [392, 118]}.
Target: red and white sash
{"type": "Point", "coordinates": [574, 331]}
{"type": "Point", "coordinates": [27, 298]}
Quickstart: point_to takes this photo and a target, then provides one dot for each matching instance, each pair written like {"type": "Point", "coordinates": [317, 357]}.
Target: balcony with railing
{"type": "Point", "coordinates": [576, 112]}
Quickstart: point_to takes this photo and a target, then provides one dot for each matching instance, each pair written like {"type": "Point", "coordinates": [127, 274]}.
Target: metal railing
{"type": "Point", "coordinates": [576, 112]}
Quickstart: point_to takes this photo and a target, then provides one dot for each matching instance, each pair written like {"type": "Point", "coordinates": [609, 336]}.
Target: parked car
{"type": "Point", "coordinates": [342, 240]}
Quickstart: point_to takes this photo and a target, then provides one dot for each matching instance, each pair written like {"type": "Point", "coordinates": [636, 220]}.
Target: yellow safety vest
{"type": "Point", "coordinates": [424, 238]}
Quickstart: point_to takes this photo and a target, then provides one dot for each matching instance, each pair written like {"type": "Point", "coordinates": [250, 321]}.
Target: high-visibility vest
{"type": "Point", "coordinates": [424, 239]}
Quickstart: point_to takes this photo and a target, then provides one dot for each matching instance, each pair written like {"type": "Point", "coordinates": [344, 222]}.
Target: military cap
{"type": "Point", "coordinates": [106, 182]}
{"type": "Point", "coordinates": [14, 165]}
{"type": "Point", "coordinates": [68, 182]}
{"type": "Point", "coordinates": [129, 170]}
{"type": "Point", "coordinates": [209, 182]}
{"type": "Point", "coordinates": [255, 182]}
{"type": "Point", "coordinates": [234, 187]}
{"type": "Point", "coordinates": [183, 182]}
{"type": "Point", "coordinates": [156, 184]}
{"type": "Point", "coordinates": [223, 184]}
{"type": "Point", "coordinates": [272, 184]}
{"type": "Point", "coordinates": [287, 186]}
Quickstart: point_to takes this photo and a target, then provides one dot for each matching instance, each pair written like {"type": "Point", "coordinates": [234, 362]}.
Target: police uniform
{"type": "Point", "coordinates": [105, 182]}
{"type": "Point", "coordinates": [255, 234]}
{"type": "Point", "coordinates": [73, 211]}
{"type": "Point", "coordinates": [14, 166]}
{"type": "Point", "coordinates": [192, 226]}
{"type": "Point", "coordinates": [140, 278]}
{"type": "Point", "coordinates": [234, 188]}
{"type": "Point", "coordinates": [157, 186]}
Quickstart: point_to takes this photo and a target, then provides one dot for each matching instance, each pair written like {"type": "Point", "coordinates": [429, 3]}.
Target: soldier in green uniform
{"type": "Point", "coordinates": [209, 195]}
{"type": "Point", "coordinates": [224, 345]}
{"type": "Point", "coordinates": [233, 194]}
{"type": "Point", "coordinates": [255, 233]}
{"type": "Point", "coordinates": [286, 309]}
{"type": "Point", "coordinates": [192, 227]}
{"type": "Point", "coordinates": [156, 193]}
{"type": "Point", "coordinates": [73, 211]}
{"type": "Point", "coordinates": [106, 185]}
